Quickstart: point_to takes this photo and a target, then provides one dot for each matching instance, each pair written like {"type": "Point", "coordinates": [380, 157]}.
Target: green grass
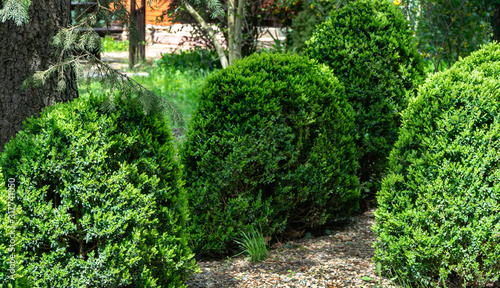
{"type": "Point", "coordinates": [108, 44]}
{"type": "Point", "coordinates": [179, 87]}
{"type": "Point", "coordinates": [176, 77]}
{"type": "Point", "coordinates": [254, 244]}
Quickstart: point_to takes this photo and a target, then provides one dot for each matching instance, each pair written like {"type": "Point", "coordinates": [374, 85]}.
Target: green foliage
{"type": "Point", "coordinates": [370, 48]}
{"type": "Point", "coordinates": [254, 244]}
{"type": "Point", "coordinates": [109, 44]}
{"type": "Point", "coordinates": [16, 10]}
{"type": "Point", "coordinates": [70, 39]}
{"type": "Point", "coordinates": [214, 7]}
{"type": "Point", "coordinates": [270, 146]}
{"type": "Point", "coordinates": [438, 219]}
{"type": "Point", "coordinates": [411, 10]}
{"type": "Point", "coordinates": [449, 29]}
{"type": "Point", "coordinates": [178, 87]}
{"type": "Point", "coordinates": [256, 14]}
{"type": "Point", "coordinates": [99, 199]}
{"type": "Point", "coordinates": [285, 10]}
{"type": "Point", "coordinates": [188, 60]}
{"type": "Point", "coordinates": [116, 84]}
{"type": "Point", "coordinates": [304, 24]}
{"type": "Point", "coordinates": [494, 8]}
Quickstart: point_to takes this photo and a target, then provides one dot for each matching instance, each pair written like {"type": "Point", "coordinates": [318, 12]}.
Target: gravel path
{"type": "Point", "coordinates": [341, 259]}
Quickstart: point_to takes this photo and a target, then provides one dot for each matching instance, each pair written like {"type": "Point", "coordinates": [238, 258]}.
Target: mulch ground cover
{"type": "Point", "coordinates": [342, 259]}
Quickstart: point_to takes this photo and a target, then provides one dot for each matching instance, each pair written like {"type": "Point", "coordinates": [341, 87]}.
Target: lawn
{"type": "Point", "coordinates": [177, 77]}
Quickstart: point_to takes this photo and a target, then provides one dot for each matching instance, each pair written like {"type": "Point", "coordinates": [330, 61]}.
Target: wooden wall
{"type": "Point", "coordinates": [155, 11]}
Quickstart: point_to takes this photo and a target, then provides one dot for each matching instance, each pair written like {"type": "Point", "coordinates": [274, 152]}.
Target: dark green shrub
{"type": "Point", "coordinates": [99, 199]}
{"type": "Point", "coordinates": [439, 212]}
{"type": "Point", "coordinates": [269, 147]}
{"type": "Point", "coordinates": [190, 60]}
{"type": "Point", "coordinates": [370, 48]}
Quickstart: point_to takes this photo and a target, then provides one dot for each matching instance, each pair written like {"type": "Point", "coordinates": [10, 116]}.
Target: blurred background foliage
{"type": "Point", "coordinates": [444, 30]}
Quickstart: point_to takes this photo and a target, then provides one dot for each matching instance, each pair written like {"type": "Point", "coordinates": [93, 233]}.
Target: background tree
{"type": "Point", "coordinates": [238, 21]}
{"type": "Point", "coordinates": [449, 29]}
{"type": "Point", "coordinates": [452, 29]}
{"type": "Point", "coordinates": [26, 30]}
{"type": "Point", "coordinates": [310, 14]}
{"type": "Point", "coordinates": [411, 10]}
{"type": "Point", "coordinates": [137, 47]}
{"type": "Point", "coordinates": [216, 11]}
{"type": "Point", "coordinates": [495, 19]}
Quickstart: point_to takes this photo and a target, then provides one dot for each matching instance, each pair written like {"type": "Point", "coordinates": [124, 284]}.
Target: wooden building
{"type": "Point", "coordinates": [156, 13]}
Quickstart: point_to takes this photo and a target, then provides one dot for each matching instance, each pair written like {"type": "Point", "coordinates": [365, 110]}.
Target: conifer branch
{"type": "Point", "coordinates": [72, 37]}
{"type": "Point", "coordinates": [16, 10]}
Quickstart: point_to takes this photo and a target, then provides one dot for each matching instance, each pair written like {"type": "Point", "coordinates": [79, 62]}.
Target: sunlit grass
{"type": "Point", "coordinates": [108, 44]}
{"type": "Point", "coordinates": [254, 244]}
{"type": "Point", "coordinates": [180, 87]}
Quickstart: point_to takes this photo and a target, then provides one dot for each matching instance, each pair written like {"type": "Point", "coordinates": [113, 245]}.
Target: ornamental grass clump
{"type": "Point", "coordinates": [270, 146]}
{"type": "Point", "coordinates": [254, 244]}
{"type": "Point", "coordinates": [370, 48]}
{"type": "Point", "coordinates": [438, 219]}
{"type": "Point", "coordinates": [99, 199]}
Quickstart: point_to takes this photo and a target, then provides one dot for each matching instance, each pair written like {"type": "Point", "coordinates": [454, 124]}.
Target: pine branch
{"type": "Point", "coordinates": [70, 38]}
{"type": "Point", "coordinates": [16, 10]}
{"type": "Point", "coordinates": [215, 6]}
{"type": "Point", "coordinates": [147, 97]}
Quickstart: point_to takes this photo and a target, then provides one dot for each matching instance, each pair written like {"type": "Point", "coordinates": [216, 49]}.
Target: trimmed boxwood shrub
{"type": "Point", "coordinates": [438, 219]}
{"type": "Point", "coordinates": [99, 199]}
{"type": "Point", "coordinates": [371, 50]}
{"type": "Point", "coordinates": [269, 147]}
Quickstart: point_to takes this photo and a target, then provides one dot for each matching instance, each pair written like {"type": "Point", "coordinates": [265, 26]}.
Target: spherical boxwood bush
{"type": "Point", "coordinates": [99, 200]}
{"type": "Point", "coordinates": [370, 48]}
{"type": "Point", "coordinates": [438, 219]}
{"type": "Point", "coordinates": [269, 147]}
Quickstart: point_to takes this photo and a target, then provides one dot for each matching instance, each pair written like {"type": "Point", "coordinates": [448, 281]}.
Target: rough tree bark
{"type": "Point", "coordinates": [24, 50]}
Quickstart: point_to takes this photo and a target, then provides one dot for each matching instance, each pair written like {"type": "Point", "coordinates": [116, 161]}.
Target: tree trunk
{"type": "Point", "coordinates": [132, 46]}
{"type": "Point", "coordinates": [137, 50]}
{"type": "Point", "coordinates": [238, 30]}
{"type": "Point", "coordinates": [24, 50]}
{"type": "Point", "coordinates": [211, 33]}
{"type": "Point", "coordinates": [235, 33]}
{"type": "Point", "coordinates": [231, 19]}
